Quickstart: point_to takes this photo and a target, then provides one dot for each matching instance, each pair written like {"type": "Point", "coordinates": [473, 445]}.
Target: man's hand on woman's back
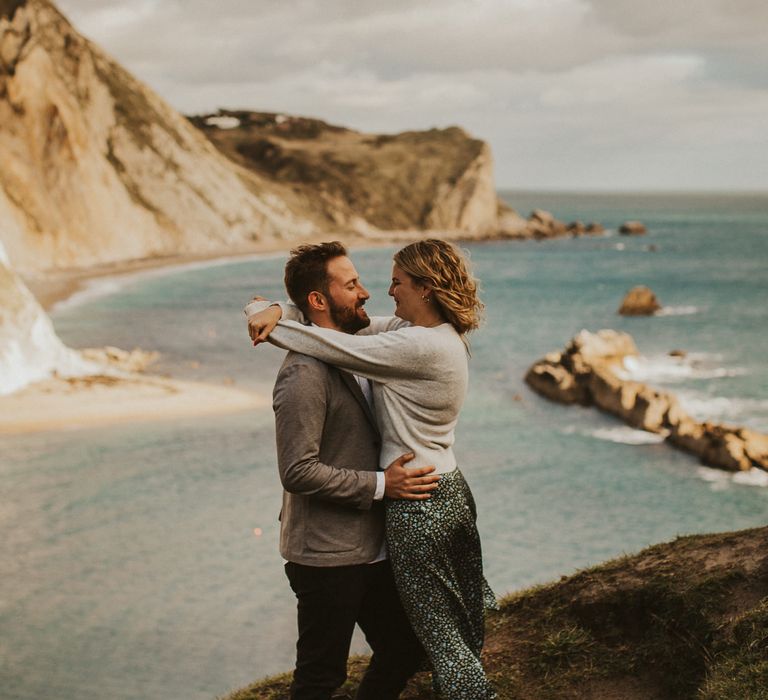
{"type": "Point", "coordinates": [413, 484]}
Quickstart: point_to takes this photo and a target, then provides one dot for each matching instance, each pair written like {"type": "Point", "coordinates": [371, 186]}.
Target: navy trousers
{"type": "Point", "coordinates": [331, 600]}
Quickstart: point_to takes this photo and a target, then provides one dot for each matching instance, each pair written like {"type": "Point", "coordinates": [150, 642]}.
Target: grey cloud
{"type": "Point", "coordinates": [566, 91]}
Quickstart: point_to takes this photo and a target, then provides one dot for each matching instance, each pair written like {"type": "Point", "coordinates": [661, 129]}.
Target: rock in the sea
{"type": "Point", "coordinates": [632, 228]}
{"type": "Point", "coordinates": [590, 372]}
{"type": "Point", "coordinates": [607, 346]}
{"type": "Point", "coordinates": [577, 228]}
{"type": "Point", "coordinates": [556, 383]}
{"type": "Point", "coordinates": [639, 301]}
{"type": "Point", "coordinates": [595, 229]}
{"type": "Point", "coordinates": [543, 224]}
{"type": "Point", "coordinates": [136, 360]}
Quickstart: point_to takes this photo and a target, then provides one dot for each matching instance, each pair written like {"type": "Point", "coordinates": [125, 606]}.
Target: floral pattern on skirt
{"type": "Point", "coordinates": [436, 557]}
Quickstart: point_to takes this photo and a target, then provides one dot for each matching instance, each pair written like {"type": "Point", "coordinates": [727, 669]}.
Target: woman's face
{"type": "Point", "coordinates": [407, 294]}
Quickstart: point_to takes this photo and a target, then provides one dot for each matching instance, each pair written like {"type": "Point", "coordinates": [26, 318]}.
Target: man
{"type": "Point", "coordinates": [332, 520]}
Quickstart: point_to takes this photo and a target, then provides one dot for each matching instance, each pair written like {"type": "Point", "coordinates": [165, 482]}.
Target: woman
{"type": "Point", "coordinates": [418, 364]}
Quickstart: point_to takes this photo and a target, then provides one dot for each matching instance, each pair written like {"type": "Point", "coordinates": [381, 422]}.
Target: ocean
{"type": "Point", "coordinates": [131, 567]}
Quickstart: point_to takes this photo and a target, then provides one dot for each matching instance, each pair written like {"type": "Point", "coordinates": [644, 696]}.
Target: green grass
{"type": "Point", "coordinates": [687, 620]}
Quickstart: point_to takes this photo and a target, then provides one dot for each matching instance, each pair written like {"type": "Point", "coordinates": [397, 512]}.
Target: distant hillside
{"type": "Point", "coordinates": [686, 620]}
{"type": "Point", "coordinates": [96, 167]}
{"type": "Point", "coordinates": [439, 179]}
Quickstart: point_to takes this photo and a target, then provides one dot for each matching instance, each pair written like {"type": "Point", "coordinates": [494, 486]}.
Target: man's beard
{"type": "Point", "coordinates": [348, 318]}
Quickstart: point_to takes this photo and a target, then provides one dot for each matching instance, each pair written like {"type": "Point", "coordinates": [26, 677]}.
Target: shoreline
{"type": "Point", "coordinates": [53, 288]}
{"type": "Point", "coordinates": [97, 401]}
{"type": "Point", "coordinates": [76, 403]}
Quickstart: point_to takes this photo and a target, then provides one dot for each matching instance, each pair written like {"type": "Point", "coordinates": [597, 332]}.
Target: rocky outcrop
{"type": "Point", "coordinates": [579, 228]}
{"type": "Point", "coordinates": [728, 447]}
{"type": "Point", "coordinates": [590, 372]}
{"type": "Point", "coordinates": [541, 225]}
{"type": "Point", "coordinates": [130, 361]}
{"type": "Point", "coordinates": [441, 179]}
{"type": "Point", "coordinates": [633, 228]}
{"type": "Point", "coordinates": [98, 168]}
{"type": "Point", "coordinates": [639, 301]}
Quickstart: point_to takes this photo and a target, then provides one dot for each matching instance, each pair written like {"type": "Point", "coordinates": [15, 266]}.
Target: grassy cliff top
{"type": "Point", "coordinates": [393, 181]}
{"type": "Point", "coordinates": [682, 620]}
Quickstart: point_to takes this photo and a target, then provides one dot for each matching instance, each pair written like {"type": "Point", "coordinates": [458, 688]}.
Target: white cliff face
{"type": "Point", "coordinates": [30, 350]}
{"type": "Point", "coordinates": [96, 167]}
{"type": "Point", "coordinates": [470, 204]}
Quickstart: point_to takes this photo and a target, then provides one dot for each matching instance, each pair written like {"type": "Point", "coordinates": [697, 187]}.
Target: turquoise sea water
{"type": "Point", "coordinates": [129, 567]}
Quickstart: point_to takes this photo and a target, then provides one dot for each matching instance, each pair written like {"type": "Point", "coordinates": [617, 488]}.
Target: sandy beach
{"type": "Point", "coordinates": [86, 402]}
{"type": "Point", "coordinates": [63, 404]}
{"type": "Point", "coordinates": [72, 403]}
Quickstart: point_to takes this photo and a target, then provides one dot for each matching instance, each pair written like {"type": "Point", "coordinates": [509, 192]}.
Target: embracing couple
{"type": "Point", "coordinates": [367, 539]}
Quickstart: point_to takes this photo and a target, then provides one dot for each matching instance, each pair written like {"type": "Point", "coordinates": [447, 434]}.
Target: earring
{"type": "Point", "coordinates": [425, 299]}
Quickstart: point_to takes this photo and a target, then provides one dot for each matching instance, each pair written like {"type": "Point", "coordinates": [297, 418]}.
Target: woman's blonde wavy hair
{"type": "Point", "coordinates": [444, 267]}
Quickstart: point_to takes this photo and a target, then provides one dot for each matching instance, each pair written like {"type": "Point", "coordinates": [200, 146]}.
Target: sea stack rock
{"type": "Point", "coordinates": [632, 228]}
{"type": "Point", "coordinates": [591, 371]}
{"type": "Point", "coordinates": [543, 224]}
{"type": "Point", "coordinates": [639, 301]}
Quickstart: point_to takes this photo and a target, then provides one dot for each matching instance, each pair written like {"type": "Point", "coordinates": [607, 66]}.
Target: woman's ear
{"type": "Point", "coordinates": [317, 301]}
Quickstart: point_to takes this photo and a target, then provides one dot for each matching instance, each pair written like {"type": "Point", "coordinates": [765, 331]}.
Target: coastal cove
{"type": "Point", "coordinates": [136, 544]}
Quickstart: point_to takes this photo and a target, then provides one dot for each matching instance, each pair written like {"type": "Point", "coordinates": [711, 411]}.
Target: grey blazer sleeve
{"type": "Point", "coordinates": [299, 402]}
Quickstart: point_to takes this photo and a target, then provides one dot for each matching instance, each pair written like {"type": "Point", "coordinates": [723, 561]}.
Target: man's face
{"type": "Point", "coordinates": [346, 296]}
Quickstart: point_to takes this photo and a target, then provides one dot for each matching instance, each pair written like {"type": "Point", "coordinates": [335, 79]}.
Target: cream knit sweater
{"type": "Point", "coordinates": [419, 378]}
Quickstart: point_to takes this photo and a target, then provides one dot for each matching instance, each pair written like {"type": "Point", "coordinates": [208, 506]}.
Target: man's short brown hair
{"type": "Point", "coordinates": [307, 271]}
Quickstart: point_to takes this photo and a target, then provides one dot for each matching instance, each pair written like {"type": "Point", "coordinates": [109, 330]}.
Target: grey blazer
{"type": "Point", "coordinates": [327, 453]}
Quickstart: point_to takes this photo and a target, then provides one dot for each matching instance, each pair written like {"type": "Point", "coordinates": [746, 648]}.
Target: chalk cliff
{"type": "Point", "coordinates": [98, 168]}
{"type": "Point", "coordinates": [29, 347]}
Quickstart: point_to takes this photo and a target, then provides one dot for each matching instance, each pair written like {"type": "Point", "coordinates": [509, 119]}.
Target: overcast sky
{"type": "Point", "coordinates": [571, 94]}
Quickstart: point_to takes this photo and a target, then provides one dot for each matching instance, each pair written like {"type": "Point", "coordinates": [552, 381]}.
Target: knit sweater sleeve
{"type": "Point", "coordinates": [291, 312]}
{"type": "Point", "coordinates": [409, 352]}
{"type": "Point", "coordinates": [383, 324]}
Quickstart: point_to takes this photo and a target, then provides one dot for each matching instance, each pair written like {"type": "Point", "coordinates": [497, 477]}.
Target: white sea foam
{"type": "Point", "coordinates": [628, 436]}
{"type": "Point", "coordinates": [744, 411]}
{"type": "Point", "coordinates": [620, 434]}
{"type": "Point", "coordinates": [668, 368]}
{"type": "Point", "coordinates": [678, 311]}
{"type": "Point", "coordinates": [753, 477]}
{"type": "Point", "coordinates": [92, 289]}
{"type": "Point", "coordinates": [105, 286]}
{"type": "Point", "coordinates": [721, 480]}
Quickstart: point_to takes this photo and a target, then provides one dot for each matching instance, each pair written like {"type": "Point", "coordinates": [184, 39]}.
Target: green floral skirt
{"type": "Point", "coordinates": [435, 552]}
